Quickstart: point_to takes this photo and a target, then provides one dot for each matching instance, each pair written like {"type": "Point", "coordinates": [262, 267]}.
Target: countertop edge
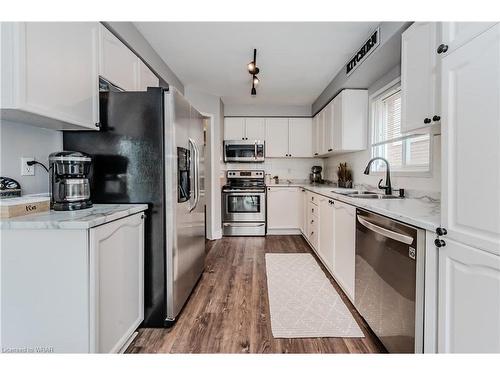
{"type": "Point", "coordinates": [417, 222]}
{"type": "Point", "coordinates": [81, 223]}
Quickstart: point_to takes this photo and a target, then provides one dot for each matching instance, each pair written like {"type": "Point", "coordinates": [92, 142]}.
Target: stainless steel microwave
{"type": "Point", "coordinates": [241, 151]}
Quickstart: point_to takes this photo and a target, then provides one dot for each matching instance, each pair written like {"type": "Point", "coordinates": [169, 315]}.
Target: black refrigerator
{"type": "Point", "coordinates": [150, 149]}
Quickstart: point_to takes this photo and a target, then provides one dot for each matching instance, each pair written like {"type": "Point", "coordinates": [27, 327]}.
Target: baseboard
{"type": "Point", "coordinates": [281, 232]}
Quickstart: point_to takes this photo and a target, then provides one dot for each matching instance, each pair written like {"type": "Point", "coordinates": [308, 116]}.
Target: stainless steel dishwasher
{"type": "Point", "coordinates": [389, 287]}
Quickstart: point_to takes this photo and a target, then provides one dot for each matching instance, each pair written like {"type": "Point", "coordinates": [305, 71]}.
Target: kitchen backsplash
{"type": "Point", "coordinates": [20, 140]}
{"type": "Point", "coordinates": [293, 169]}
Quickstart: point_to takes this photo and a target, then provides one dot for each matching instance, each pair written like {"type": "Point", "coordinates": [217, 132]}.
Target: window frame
{"type": "Point", "coordinates": [385, 91]}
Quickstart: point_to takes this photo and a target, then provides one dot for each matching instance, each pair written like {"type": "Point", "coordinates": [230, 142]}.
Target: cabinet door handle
{"type": "Point", "coordinates": [442, 48]}
{"type": "Point", "coordinates": [315, 153]}
{"type": "Point", "coordinates": [98, 125]}
{"type": "Point", "coordinates": [312, 221]}
{"type": "Point", "coordinates": [427, 121]}
{"type": "Point", "coordinates": [436, 118]}
{"type": "Point", "coordinates": [441, 231]}
{"type": "Point", "coordinates": [330, 149]}
{"type": "Point", "coordinates": [439, 243]}
{"type": "Point", "coordinates": [312, 233]}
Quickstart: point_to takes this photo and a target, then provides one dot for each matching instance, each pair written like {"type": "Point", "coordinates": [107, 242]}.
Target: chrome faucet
{"type": "Point", "coordinates": [387, 187]}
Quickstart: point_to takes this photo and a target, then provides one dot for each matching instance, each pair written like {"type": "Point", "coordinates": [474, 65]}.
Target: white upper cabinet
{"type": "Point", "coordinates": [49, 74]}
{"type": "Point", "coordinates": [244, 128]}
{"type": "Point", "coordinates": [321, 132]}
{"type": "Point", "coordinates": [315, 135]}
{"type": "Point", "coordinates": [255, 129]}
{"type": "Point", "coordinates": [300, 137]}
{"type": "Point", "coordinates": [350, 120]}
{"type": "Point", "coordinates": [234, 128]}
{"type": "Point", "coordinates": [468, 300]}
{"type": "Point", "coordinates": [328, 143]}
{"type": "Point", "coordinates": [146, 77]}
{"type": "Point", "coordinates": [118, 64]}
{"type": "Point", "coordinates": [419, 77]}
{"type": "Point", "coordinates": [456, 34]}
{"type": "Point", "coordinates": [277, 137]}
{"type": "Point", "coordinates": [471, 142]}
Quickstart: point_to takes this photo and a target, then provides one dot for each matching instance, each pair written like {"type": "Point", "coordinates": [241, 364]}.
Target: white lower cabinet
{"type": "Point", "coordinates": [284, 210]}
{"type": "Point", "coordinates": [72, 290]}
{"type": "Point", "coordinates": [326, 246]}
{"type": "Point", "coordinates": [344, 245]}
{"type": "Point", "coordinates": [468, 300]}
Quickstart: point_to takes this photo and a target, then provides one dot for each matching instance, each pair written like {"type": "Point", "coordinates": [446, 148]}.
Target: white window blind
{"type": "Point", "coordinates": [408, 153]}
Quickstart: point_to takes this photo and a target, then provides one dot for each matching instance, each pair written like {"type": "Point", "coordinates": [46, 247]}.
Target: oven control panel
{"type": "Point", "coordinates": [255, 174]}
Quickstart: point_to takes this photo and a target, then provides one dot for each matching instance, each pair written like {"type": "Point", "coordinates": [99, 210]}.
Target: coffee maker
{"type": "Point", "coordinates": [69, 180]}
{"type": "Point", "coordinates": [315, 176]}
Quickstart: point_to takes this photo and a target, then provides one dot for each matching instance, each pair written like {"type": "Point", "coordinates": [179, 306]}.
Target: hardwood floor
{"type": "Point", "coordinates": [228, 311]}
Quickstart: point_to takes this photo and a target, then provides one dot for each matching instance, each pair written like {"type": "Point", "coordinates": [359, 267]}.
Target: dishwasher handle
{"type": "Point", "coordinates": [385, 232]}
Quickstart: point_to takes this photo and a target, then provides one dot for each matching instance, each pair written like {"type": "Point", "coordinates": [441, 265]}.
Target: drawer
{"type": "Point", "coordinates": [312, 198]}
{"type": "Point", "coordinates": [312, 209]}
{"type": "Point", "coordinates": [312, 233]}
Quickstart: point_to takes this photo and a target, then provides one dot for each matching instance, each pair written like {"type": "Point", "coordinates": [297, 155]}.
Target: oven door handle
{"type": "Point", "coordinates": [255, 150]}
{"type": "Point", "coordinates": [385, 232]}
{"type": "Point", "coordinates": [243, 225]}
{"type": "Point", "coordinates": [245, 192]}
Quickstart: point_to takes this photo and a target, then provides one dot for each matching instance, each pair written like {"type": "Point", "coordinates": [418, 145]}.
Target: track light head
{"type": "Point", "coordinates": [255, 80]}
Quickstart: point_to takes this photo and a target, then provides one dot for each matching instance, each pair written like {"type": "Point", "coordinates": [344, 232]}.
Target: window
{"type": "Point", "coordinates": [408, 153]}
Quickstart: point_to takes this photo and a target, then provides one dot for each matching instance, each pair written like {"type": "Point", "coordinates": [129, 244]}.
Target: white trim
{"type": "Point", "coordinates": [283, 231]}
{"type": "Point", "coordinates": [403, 173]}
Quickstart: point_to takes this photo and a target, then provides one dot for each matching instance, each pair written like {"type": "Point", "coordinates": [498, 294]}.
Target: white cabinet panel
{"type": "Point", "coordinates": [469, 300]}
{"type": "Point", "coordinates": [276, 137]}
{"type": "Point", "coordinates": [419, 78]}
{"type": "Point", "coordinates": [49, 74]}
{"type": "Point", "coordinates": [118, 64]}
{"type": "Point", "coordinates": [146, 77]}
{"type": "Point", "coordinates": [234, 128]}
{"type": "Point", "coordinates": [326, 247]}
{"type": "Point", "coordinates": [315, 135]}
{"type": "Point", "coordinates": [350, 116]}
{"type": "Point", "coordinates": [300, 137]}
{"type": "Point", "coordinates": [284, 207]}
{"type": "Point", "coordinates": [329, 128]}
{"type": "Point", "coordinates": [471, 142]}
{"type": "Point", "coordinates": [456, 34]}
{"type": "Point", "coordinates": [303, 222]}
{"type": "Point", "coordinates": [117, 274]}
{"type": "Point", "coordinates": [255, 129]}
{"type": "Point", "coordinates": [321, 133]}
{"type": "Point", "coordinates": [344, 245]}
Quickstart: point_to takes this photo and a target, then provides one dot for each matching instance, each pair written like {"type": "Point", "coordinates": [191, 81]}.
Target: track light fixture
{"type": "Point", "coordinates": [253, 70]}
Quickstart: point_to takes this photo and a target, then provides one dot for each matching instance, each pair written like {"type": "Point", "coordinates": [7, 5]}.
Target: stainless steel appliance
{"type": "Point", "coordinates": [244, 204]}
{"type": "Point", "coordinates": [315, 175]}
{"type": "Point", "coordinates": [69, 182]}
{"type": "Point", "coordinates": [150, 149]}
{"type": "Point", "coordinates": [389, 285]}
{"type": "Point", "coordinates": [244, 151]}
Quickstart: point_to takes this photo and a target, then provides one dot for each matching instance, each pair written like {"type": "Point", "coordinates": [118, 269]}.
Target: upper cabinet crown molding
{"type": "Point", "coordinates": [53, 74]}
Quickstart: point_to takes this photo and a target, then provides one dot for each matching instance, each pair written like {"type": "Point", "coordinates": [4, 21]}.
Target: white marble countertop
{"type": "Point", "coordinates": [422, 212]}
{"type": "Point", "coordinates": [81, 219]}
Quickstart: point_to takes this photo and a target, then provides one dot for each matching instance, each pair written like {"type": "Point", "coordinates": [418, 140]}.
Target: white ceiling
{"type": "Point", "coordinates": [297, 60]}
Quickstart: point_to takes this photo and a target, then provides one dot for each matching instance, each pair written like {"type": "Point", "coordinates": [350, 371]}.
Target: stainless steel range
{"type": "Point", "coordinates": [244, 203]}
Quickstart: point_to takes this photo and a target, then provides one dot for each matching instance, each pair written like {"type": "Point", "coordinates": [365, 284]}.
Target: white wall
{"type": "Point", "coordinates": [19, 140]}
{"type": "Point", "coordinates": [210, 104]}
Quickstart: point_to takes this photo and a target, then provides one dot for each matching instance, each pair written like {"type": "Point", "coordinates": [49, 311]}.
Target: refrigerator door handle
{"type": "Point", "coordinates": [195, 166]}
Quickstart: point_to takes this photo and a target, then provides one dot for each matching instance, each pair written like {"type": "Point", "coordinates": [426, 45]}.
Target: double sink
{"type": "Point", "coordinates": [369, 195]}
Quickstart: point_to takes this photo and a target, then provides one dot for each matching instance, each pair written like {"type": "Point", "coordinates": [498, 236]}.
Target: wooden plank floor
{"type": "Point", "coordinates": [228, 311]}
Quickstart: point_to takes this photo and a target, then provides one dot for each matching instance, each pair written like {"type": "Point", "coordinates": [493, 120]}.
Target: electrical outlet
{"type": "Point", "coordinates": [27, 170]}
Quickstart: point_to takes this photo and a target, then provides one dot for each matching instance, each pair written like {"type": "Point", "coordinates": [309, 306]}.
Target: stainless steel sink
{"type": "Point", "coordinates": [371, 195]}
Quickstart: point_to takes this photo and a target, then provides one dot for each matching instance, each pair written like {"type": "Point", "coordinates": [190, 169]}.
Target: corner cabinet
{"type": "Point", "coordinates": [73, 290]}
{"type": "Point", "coordinates": [419, 77]}
{"type": "Point", "coordinates": [284, 210]}
{"type": "Point", "coordinates": [50, 74]}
